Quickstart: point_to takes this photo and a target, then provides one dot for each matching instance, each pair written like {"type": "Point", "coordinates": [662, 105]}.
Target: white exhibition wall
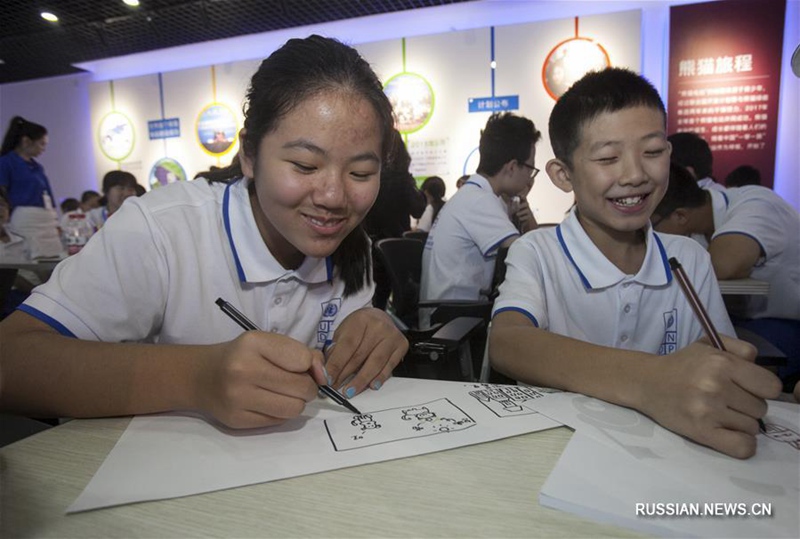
{"type": "Point", "coordinates": [449, 45]}
{"type": "Point", "coordinates": [455, 64]}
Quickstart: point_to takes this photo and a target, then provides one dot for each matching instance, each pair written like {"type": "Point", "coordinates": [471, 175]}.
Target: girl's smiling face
{"type": "Point", "coordinates": [316, 176]}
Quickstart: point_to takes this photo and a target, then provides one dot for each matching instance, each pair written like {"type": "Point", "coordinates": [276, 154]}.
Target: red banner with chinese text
{"type": "Point", "coordinates": [724, 80]}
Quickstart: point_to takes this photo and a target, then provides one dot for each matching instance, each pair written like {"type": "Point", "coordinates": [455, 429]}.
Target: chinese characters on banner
{"type": "Point", "coordinates": [429, 157]}
{"type": "Point", "coordinates": [724, 80]}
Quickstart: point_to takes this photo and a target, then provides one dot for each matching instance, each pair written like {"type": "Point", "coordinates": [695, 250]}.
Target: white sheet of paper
{"type": "Point", "coordinates": [581, 484]}
{"type": "Point", "coordinates": [633, 460]}
{"type": "Point", "coordinates": [171, 455]}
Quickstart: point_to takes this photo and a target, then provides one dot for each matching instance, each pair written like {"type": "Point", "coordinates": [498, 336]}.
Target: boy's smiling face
{"type": "Point", "coordinates": [619, 172]}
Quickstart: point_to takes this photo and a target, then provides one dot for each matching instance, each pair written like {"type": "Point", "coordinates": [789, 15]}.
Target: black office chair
{"type": "Point", "coordinates": [416, 235]}
{"type": "Point", "coordinates": [442, 351]}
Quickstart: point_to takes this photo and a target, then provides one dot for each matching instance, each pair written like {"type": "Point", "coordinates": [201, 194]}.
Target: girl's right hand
{"type": "Point", "coordinates": [257, 380]}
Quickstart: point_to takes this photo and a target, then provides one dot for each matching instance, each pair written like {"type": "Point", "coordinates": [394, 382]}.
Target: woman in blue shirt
{"type": "Point", "coordinates": [21, 176]}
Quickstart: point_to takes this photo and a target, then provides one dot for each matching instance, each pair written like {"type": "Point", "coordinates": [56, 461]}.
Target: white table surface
{"type": "Point", "coordinates": [487, 490]}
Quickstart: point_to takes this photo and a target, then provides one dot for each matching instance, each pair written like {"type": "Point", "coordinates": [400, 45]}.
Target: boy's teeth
{"type": "Point", "coordinates": [628, 201]}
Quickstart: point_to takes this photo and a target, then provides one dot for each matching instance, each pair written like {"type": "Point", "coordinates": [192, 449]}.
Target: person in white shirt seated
{"type": "Point", "coordinates": [117, 186]}
{"type": "Point", "coordinates": [434, 189]}
{"type": "Point", "coordinates": [691, 151]}
{"type": "Point", "coordinates": [459, 257]}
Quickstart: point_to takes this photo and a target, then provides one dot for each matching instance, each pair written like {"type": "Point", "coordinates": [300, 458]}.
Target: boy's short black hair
{"type": "Point", "coordinates": [682, 192]}
{"type": "Point", "coordinates": [86, 196]}
{"type": "Point", "coordinates": [691, 150]}
{"type": "Point", "coordinates": [609, 90]}
{"type": "Point", "coordinates": [506, 137]}
{"type": "Point", "coordinates": [114, 178]}
{"type": "Point", "coordinates": [743, 175]}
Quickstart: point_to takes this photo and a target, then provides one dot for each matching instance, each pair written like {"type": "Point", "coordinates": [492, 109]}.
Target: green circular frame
{"type": "Point", "coordinates": [430, 89]}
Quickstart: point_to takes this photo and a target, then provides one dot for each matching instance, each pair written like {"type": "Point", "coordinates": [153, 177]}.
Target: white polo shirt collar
{"type": "Point", "coordinates": [476, 180]}
{"type": "Point", "coordinates": [255, 264]}
{"type": "Point", "coordinates": [596, 271]}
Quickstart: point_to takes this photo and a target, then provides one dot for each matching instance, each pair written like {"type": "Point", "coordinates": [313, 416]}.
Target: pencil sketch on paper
{"type": "Point", "coordinates": [384, 426]}
{"type": "Point", "coordinates": [783, 434]}
{"type": "Point", "coordinates": [505, 401]}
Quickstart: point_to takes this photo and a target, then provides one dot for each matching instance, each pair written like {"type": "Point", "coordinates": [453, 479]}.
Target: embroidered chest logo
{"type": "Point", "coordinates": [330, 309]}
{"type": "Point", "coordinates": [670, 342]}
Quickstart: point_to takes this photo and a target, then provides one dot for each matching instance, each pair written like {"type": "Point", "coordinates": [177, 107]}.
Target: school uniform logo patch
{"type": "Point", "coordinates": [330, 309]}
{"type": "Point", "coordinates": [670, 342]}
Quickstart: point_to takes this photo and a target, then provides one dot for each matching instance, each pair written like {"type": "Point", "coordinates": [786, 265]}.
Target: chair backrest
{"type": "Point", "coordinates": [416, 235]}
{"type": "Point", "coordinates": [402, 258]}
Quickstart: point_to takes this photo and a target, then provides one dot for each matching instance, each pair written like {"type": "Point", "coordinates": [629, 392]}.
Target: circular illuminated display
{"type": "Point", "coordinates": [166, 170]}
{"type": "Point", "coordinates": [569, 61]}
{"type": "Point", "coordinates": [216, 129]}
{"type": "Point", "coordinates": [115, 135]}
{"type": "Point", "coordinates": [412, 100]}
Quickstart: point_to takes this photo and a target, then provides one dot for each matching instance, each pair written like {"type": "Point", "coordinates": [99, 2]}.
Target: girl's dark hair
{"type": "Point", "coordinates": [18, 128]}
{"type": "Point", "coordinates": [114, 178]}
{"type": "Point", "coordinates": [434, 185]}
{"type": "Point", "coordinates": [302, 69]}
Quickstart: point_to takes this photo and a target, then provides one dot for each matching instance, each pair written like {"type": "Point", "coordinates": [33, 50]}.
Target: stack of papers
{"type": "Point", "coordinates": [622, 468]}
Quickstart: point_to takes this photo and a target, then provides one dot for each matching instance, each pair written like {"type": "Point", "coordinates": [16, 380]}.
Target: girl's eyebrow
{"type": "Point", "coordinates": [304, 144]}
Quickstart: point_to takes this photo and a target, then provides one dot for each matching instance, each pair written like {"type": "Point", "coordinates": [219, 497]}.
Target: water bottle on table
{"type": "Point", "coordinates": [76, 233]}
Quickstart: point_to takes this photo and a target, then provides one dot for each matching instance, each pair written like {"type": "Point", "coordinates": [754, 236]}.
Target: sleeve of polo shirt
{"type": "Point", "coordinates": [755, 219]}
{"type": "Point", "coordinates": [488, 225]}
{"type": "Point", "coordinates": [115, 289]}
{"type": "Point", "coordinates": [522, 289]}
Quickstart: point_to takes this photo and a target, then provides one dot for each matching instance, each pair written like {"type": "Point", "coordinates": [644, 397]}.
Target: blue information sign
{"type": "Point", "coordinates": [166, 128]}
{"type": "Point", "coordinates": [493, 104]}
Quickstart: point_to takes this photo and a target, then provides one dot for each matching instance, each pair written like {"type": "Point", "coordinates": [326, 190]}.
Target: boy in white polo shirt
{"type": "Point", "coordinates": [691, 151]}
{"type": "Point", "coordinates": [590, 305]}
{"type": "Point", "coordinates": [459, 257]}
{"type": "Point", "coordinates": [751, 232]}
{"type": "Point", "coordinates": [283, 244]}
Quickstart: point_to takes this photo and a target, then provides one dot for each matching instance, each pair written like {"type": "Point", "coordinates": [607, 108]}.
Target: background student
{"type": "Point", "coordinates": [751, 232]}
{"type": "Point", "coordinates": [283, 244]}
{"type": "Point", "coordinates": [434, 189]}
{"type": "Point", "coordinates": [691, 151]}
{"type": "Point", "coordinates": [117, 186]}
{"type": "Point", "coordinates": [459, 256]}
{"type": "Point", "coordinates": [743, 175]}
{"type": "Point", "coordinates": [390, 216]}
{"type": "Point", "coordinates": [590, 306]}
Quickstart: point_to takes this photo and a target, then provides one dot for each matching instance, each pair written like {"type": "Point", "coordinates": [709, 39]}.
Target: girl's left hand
{"type": "Point", "coordinates": [367, 347]}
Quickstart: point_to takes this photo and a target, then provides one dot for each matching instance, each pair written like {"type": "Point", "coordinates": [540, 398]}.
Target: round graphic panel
{"type": "Point", "coordinates": [216, 129]}
{"type": "Point", "coordinates": [166, 170]}
{"type": "Point", "coordinates": [471, 162]}
{"type": "Point", "coordinates": [412, 100]}
{"type": "Point", "coordinates": [115, 135]}
{"type": "Point", "coordinates": [569, 61]}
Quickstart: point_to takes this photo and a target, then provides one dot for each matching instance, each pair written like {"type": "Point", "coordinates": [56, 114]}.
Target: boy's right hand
{"type": "Point", "coordinates": [711, 396]}
{"type": "Point", "coordinates": [257, 380]}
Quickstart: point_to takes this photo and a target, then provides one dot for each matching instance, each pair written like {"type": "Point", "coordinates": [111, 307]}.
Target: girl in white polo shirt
{"type": "Point", "coordinates": [283, 244]}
